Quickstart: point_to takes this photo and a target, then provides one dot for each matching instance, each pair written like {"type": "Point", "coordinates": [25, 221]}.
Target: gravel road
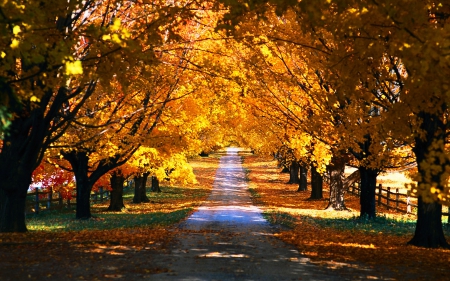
{"type": "Point", "coordinates": [228, 239]}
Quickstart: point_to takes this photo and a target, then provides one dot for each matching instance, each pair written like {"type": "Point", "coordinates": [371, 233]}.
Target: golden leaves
{"type": "Point", "coordinates": [344, 252]}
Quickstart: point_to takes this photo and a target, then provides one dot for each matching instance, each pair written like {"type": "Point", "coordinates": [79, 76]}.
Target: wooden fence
{"type": "Point", "coordinates": [393, 199]}
{"type": "Point", "coordinates": [54, 200]}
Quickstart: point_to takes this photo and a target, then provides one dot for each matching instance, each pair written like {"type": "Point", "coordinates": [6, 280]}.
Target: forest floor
{"type": "Point", "coordinates": [123, 246]}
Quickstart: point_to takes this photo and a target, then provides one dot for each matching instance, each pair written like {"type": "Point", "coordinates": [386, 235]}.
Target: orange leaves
{"type": "Point", "coordinates": [346, 252]}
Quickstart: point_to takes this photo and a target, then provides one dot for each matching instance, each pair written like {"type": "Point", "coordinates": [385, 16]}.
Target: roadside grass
{"type": "Point", "coordinates": [382, 224]}
{"type": "Point", "coordinates": [172, 205]}
{"type": "Point", "coordinates": [108, 245]}
{"type": "Point", "coordinates": [340, 240]}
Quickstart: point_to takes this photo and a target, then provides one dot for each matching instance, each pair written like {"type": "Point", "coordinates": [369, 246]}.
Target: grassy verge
{"type": "Point", "coordinates": [340, 240]}
{"type": "Point", "coordinates": [168, 207]}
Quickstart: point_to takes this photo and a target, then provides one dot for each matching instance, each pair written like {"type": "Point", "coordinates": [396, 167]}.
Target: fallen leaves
{"type": "Point", "coordinates": [112, 245]}
{"type": "Point", "coordinates": [345, 251]}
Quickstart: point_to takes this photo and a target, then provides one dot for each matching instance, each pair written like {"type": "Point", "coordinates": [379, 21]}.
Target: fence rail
{"type": "Point", "coordinates": [54, 200]}
{"type": "Point", "coordinates": [394, 199]}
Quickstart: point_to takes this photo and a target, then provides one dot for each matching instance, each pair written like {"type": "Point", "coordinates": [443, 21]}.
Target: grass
{"type": "Point", "coordinates": [382, 224]}
{"type": "Point", "coordinates": [340, 241]}
{"type": "Point", "coordinates": [172, 205]}
{"type": "Point", "coordinates": [65, 221]}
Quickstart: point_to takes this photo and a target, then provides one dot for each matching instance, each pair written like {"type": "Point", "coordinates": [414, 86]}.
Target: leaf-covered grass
{"type": "Point", "coordinates": [381, 224]}
{"type": "Point", "coordinates": [339, 240]}
{"type": "Point", "coordinates": [65, 221]}
{"type": "Point", "coordinates": [165, 208]}
{"type": "Point", "coordinates": [108, 246]}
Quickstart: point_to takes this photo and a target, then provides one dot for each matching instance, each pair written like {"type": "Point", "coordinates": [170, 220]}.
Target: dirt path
{"type": "Point", "coordinates": [228, 239]}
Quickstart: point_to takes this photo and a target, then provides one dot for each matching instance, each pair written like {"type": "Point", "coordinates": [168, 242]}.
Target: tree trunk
{"type": "Point", "coordinates": [85, 179]}
{"type": "Point", "coordinates": [155, 184]}
{"type": "Point", "coordinates": [143, 188]}
{"type": "Point", "coordinates": [293, 173]}
{"type": "Point", "coordinates": [337, 192]}
{"type": "Point", "coordinates": [429, 232]}
{"type": "Point", "coordinates": [316, 184]}
{"type": "Point", "coordinates": [19, 155]}
{"type": "Point", "coordinates": [116, 202]}
{"type": "Point", "coordinates": [138, 181]}
{"type": "Point", "coordinates": [84, 188]}
{"type": "Point", "coordinates": [13, 210]}
{"type": "Point", "coordinates": [368, 189]}
{"type": "Point", "coordinates": [79, 161]}
{"type": "Point", "coordinates": [303, 184]}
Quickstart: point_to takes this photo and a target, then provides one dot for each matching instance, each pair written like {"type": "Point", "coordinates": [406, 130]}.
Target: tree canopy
{"type": "Point", "coordinates": [101, 84]}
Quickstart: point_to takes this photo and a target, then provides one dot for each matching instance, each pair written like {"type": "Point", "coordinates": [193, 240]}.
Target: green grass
{"type": "Point", "coordinates": [381, 224]}
{"type": "Point", "coordinates": [161, 211]}
{"type": "Point", "coordinates": [280, 218]}
{"type": "Point", "coordinates": [65, 221]}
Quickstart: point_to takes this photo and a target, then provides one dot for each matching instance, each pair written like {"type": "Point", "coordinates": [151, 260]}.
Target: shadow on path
{"type": "Point", "coordinates": [228, 239]}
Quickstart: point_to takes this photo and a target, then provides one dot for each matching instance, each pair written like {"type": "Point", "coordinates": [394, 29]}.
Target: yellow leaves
{"type": "Point", "coordinates": [16, 30]}
{"type": "Point", "coordinates": [106, 37]}
{"type": "Point", "coordinates": [116, 25]}
{"type": "Point", "coordinates": [117, 33]}
{"type": "Point", "coordinates": [357, 12]}
{"type": "Point", "coordinates": [2, 55]}
{"type": "Point", "coordinates": [14, 43]}
{"type": "Point", "coordinates": [73, 67]}
{"type": "Point", "coordinates": [34, 99]}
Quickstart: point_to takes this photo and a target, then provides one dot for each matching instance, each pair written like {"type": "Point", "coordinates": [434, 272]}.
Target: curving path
{"type": "Point", "coordinates": [228, 239]}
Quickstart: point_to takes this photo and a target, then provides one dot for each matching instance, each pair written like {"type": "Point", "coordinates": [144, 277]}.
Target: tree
{"type": "Point", "coordinates": [52, 61]}
{"type": "Point", "coordinates": [117, 180]}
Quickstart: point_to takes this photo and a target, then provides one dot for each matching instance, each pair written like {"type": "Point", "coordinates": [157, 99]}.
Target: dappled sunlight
{"type": "Point", "coordinates": [324, 236]}
{"type": "Point", "coordinates": [223, 255]}
{"type": "Point", "coordinates": [229, 200]}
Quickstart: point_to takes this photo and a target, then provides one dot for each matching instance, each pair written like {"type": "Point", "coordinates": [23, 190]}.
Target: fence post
{"type": "Point", "coordinates": [60, 200]}
{"type": "Point", "coordinates": [100, 190]}
{"type": "Point", "coordinates": [397, 197]}
{"type": "Point", "coordinates": [36, 201]}
{"type": "Point", "coordinates": [408, 205]}
{"type": "Point", "coordinates": [68, 203]}
{"type": "Point", "coordinates": [380, 188]}
{"type": "Point", "coordinates": [388, 195]}
{"type": "Point", "coordinates": [49, 198]}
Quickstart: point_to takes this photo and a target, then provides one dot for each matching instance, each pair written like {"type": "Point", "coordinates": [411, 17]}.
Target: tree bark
{"type": "Point", "coordinates": [85, 179]}
{"type": "Point", "coordinates": [429, 232]}
{"type": "Point", "coordinates": [368, 189]}
{"type": "Point", "coordinates": [20, 154]}
{"type": "Point", "coordinates": [143, 188]}
{"type": "Point", "coordinates": [116, 203]}
{"type": "Point", "coordinates": [337, 191]}
{"type": "Point", "coordinates": [137, 189]}
{"type": "Point", "coordinates": [303, 183]}
{"type": "Point", "coordinates": [140, 192]}
{"type": "Point", "coordinates": [293, 173]}
{"type": "Point", "coordinates": [316, 184]}
{"type": "Point", "coordinates": [155, 184]}
{"type": "Point", "coordinates": [79, 161]}
{"type": "Point", "coordinates": [13, 210]}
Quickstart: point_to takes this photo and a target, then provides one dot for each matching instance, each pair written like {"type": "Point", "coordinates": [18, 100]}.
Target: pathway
{"type": "Point", "coordinates": [228, 239]}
